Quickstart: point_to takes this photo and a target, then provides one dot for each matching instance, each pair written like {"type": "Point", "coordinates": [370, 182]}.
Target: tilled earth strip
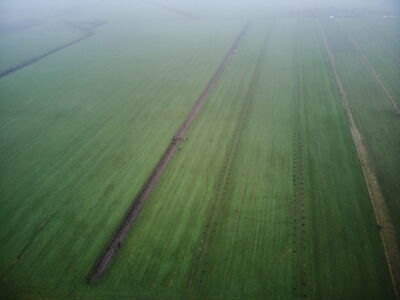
{"type": "Point", "coordinates": [110, 251]}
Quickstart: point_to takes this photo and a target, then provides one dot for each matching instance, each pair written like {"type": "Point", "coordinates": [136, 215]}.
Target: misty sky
{"type": "Point", "coordinates": [14, 10]}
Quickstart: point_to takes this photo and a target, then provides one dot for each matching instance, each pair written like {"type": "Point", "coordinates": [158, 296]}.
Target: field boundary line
{"type": "Point", "coordinates": [44, 55]}
{"type": "Point", "coordinates": [371, 68]}
{"type": "Point", "coordinates": [174, 10]}
{"type": "Point", "coordinates": [112, 247]}
{"type": "Point", "coordinates": [382, 43]}
{"type": "Point", "coordinates": [386, 229]}
{"type": "Point", "coordinates": [31, 61]}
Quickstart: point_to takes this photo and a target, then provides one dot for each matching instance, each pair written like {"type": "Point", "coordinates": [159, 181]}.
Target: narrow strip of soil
{"type": "Point", "coordinates": [175, 10]}
{"type": "Point", "coordinates": [386, 229]}
{"type": "Point", "coordinates": [372, 70]}
{"type": "Point", "coordinates": [104, 261]}
{"type": "Point", "coordinates": [199, 265]}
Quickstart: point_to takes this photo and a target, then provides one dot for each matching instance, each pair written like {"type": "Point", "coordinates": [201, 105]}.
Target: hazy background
{"type": "Point", "coordinates": [23, 10]}
{"type": "Point", "coordinates": [44, 22]}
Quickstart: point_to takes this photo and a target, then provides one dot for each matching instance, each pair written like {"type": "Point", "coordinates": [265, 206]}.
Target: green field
{"type": "Point", "coordinates": [266, 196]}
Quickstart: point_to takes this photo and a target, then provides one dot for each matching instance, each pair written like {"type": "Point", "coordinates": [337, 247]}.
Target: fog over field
{"type": "Point", "coordinates": [199, 149]}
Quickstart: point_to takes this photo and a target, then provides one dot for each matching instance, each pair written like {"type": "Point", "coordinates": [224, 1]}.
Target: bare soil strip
{"type": "Point", "coordinates": [372, 70]}
{"type": "Point", "coordinates": [386, 229]}
{"type": "Point", "coordinates": [27, 63]}
{"type": "Point", "coordinates": [111, 249]}
{"type": "Point", "coordinates": [200, 264]}
{"type": "Point", "coordinates": [175, 10]}
{"type": "Point", "coordinates": [298, 190]}
{"type": "Point", "coordinates": [383, 44]}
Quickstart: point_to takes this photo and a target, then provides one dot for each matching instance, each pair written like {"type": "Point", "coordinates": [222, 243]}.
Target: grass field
{"type": "Point", "coordinates": [265, 197]}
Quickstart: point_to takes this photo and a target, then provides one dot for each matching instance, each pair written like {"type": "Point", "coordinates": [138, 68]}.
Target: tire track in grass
{"type": "Point", "coordinates": [386, 229]}
{"type": "Point", "coordinates": [371, 69]}
{"type": "Point", "coordinates": [298, 188]}
{"type": "Point", "coordinates": [27, 245]}
{"type": "Point", "coordinates": [112, 247]}
{"type": "Point", "coordinates": [199, 264]}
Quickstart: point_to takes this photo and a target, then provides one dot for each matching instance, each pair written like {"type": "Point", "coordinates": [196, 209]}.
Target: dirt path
{"type": "Point", "coordinates": [371, 68]}
{"type": "Point", "coordinates": [298, 188]}
{"type": "Point", "coordinates": [386, 229]}
{"type": "Point", "coordinates": [199, 266]}
{"type": "Point", "coordinates": [383, 44]}
{"type": "Point", "coordinates": [175, 10]}
{"type": "Point", "coordinates": [105, 259]}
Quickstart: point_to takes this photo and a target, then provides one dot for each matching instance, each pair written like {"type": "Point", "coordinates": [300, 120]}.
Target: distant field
{"type": "Point", "coordinates": [265, 198]}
